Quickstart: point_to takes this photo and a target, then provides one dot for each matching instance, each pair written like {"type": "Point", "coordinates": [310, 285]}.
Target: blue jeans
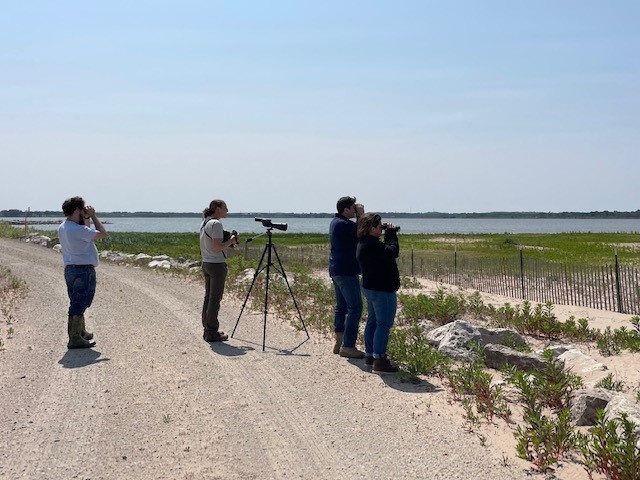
{"type": "Point", "coordinates": [81, 287]}
{"type": "Point", "coordinates": [348, 309]}
{"type": "Point", "coordinates": [381, 313]}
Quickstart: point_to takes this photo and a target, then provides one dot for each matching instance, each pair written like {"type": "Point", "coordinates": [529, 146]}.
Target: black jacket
{"type": "Point", "coordinates": [378, 262]}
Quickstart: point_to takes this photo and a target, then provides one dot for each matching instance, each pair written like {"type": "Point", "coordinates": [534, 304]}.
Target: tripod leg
{"type": "Point", "coordinates": [284, 275]}
{"type": "Point", "coordinates": [266, 303]}
{"type": "Point", "coordinates": [255, 276]}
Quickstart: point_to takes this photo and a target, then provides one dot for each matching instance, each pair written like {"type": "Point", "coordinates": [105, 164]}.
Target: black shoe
{"type": "Point", "coordinates": [215, 337]}
{"type": "Point", "coordinates": [368, 361]}
{"type": "Point", "coordinates": [384, 365]}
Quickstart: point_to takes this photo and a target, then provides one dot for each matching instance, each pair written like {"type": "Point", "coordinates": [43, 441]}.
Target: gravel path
{"type": "Point", "coordinates": [154, 401]}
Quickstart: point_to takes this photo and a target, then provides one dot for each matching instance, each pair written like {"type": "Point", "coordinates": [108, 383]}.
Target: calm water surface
{"type": "Point", "coordinates": [408, 225]}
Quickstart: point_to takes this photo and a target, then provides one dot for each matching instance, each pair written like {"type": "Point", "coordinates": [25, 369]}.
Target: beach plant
{"type": "Point", "coordinates": [550, 387]}
{"type": "Point", "coordinates": [441, 308]}
{"type": "Point", "coordinates": [408, 346]}
{"type": "Point", "coordinates": [544, 440]}
{"type": "Point", "coordinates": [12, 289]}
{"type": "Point", "coordinates": [611, 448]}
{"type": "Point", "coordinates": [472, 380]}
{"type": "Point", "coordinates": [608, 383]}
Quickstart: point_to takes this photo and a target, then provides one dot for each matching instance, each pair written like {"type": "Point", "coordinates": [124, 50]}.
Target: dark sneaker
{"type": "Point", "coordinates": [215, 337]}
{"type": "Point", "coordinates": [368, 361]}
{"type": "Point", "coordinates": [384, 365]}
{"type": "Point", "coordinates": [351, 352]}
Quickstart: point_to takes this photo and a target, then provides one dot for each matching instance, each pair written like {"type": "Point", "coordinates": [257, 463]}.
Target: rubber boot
{"type": "Point", "coordinates": [75, 334]}
{"type": "Point", "coordinates": [84, 334]}
{"type": "Point", "coordinates": [338, 344]}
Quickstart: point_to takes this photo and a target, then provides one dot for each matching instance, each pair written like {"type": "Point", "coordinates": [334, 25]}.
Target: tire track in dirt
{"type": "Point", "coordinates": [281, 425]}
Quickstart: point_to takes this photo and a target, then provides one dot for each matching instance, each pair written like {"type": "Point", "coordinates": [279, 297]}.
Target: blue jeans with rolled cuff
{"type": "Point", "coordinates": [381, 312]}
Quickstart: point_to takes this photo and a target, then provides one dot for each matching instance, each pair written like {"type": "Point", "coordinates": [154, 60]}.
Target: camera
{"type": "Point", "coordinates": [226, 235]}
{"type": "Point", "coordinates": [387, 226]}
{"type": "Point", "coordinates": [266, 222]}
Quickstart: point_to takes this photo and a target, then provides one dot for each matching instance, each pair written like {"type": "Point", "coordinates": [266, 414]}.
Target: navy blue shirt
{"type": "Point", "coordinates": [343, 235]}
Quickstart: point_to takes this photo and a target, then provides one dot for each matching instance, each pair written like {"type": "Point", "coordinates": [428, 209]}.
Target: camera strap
{"type": "Point", "coordinates": [204, 224]}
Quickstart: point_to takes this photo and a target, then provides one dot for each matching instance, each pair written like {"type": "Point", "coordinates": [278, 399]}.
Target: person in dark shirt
{"type": "Point", "coordinates": [344, 271]}
{"type": "Point", "coordinates": [380, 282]}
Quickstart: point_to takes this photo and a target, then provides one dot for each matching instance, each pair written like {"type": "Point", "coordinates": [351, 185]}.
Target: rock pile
{"type": "Point", "coordinates": [462, 341]}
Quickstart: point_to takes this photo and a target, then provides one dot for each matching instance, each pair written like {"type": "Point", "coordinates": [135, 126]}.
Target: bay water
{"type": "Point", "coordinates": [321, 225]}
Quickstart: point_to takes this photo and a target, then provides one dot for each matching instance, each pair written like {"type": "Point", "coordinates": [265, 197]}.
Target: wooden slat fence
{"type": "Point", "coordinates": [607, 287]}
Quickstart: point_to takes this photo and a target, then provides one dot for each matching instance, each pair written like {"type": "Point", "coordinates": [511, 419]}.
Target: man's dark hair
{"type": "Point", "coordinates": [70, 204]}
{"type": "Point", "coordinates": [345, 202]}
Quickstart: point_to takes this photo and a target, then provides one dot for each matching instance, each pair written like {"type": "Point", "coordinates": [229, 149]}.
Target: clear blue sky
{"type": "Point", "coordinates": [457, 106]}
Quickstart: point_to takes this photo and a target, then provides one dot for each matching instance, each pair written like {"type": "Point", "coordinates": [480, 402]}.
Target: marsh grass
{"type": "Point", "coordinates": [8, 231]}
{"type": "Point", "coordinates": [574, 248]}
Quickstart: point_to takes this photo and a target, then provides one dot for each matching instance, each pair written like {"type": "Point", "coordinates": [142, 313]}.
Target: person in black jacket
{"type": "Point", "coordinates": [380, 282]}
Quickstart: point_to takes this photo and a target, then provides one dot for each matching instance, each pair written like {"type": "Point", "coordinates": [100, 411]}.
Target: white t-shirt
{"type": "Point", "coordinates": [77, 244]}
{"type": "Point", "coordinates": [212, 229]}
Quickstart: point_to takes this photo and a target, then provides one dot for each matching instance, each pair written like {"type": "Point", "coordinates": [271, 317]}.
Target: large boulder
{"type": "Point", "coordinates": [585, 402]}
{"type": "Point", "coordinates": [460, 340]}
{"type": "Point", "coordinates": [497, 356]}
{"type": "Point", "coordinates": [456, 340]}
{"type": "Point", "coordinates": [620, 404]}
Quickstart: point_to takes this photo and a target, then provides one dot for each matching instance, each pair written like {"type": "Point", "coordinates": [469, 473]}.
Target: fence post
{"type": "Point", "coordinates": [619, 298]}
{"type": "Point", "coordinates": [521, 271]}
{"type": "Point", "coordinates": [455, 264]}
{"type": "Point", "coordinates": [413, 274]}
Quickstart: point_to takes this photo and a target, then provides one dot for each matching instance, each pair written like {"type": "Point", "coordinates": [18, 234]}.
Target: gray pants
{"type": "Point", "coordinates": [215, 275]}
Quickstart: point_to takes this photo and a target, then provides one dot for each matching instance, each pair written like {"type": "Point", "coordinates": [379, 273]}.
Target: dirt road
{"type": "Point", "coordinates": [154, 401]}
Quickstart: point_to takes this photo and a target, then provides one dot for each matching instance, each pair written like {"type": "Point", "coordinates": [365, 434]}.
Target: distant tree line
{"type": "Point", "coordinates": [513, 215]}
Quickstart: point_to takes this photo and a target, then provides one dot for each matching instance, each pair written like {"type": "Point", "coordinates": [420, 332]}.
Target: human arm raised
{"type": "Point", "coordinates": [90, 213]}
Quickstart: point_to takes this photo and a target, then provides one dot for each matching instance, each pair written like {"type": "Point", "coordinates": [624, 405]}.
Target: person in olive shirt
{"type": "Point", "coordinates": [214, 267]}
{"type": "Point", "coordinates": [380, 282]}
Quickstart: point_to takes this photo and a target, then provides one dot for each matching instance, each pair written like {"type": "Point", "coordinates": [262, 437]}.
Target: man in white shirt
{"type": "Point", "coordinates": [80, 257]}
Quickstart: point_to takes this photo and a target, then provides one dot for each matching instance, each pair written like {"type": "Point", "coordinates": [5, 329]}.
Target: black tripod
{"type": "Point", "coordinates": [268, 248]}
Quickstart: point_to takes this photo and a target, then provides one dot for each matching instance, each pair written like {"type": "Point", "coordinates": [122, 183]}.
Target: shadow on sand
{"type": "Point", "coordinates": [81, 357]}
{"type": "Point", "coordinates": [400, 381]}
{"type": "Point", "coordinates": [277, 351]}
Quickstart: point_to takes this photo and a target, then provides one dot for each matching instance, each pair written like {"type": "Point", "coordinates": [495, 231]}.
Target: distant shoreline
{"type": "Point", "coordinates": [510, 215]}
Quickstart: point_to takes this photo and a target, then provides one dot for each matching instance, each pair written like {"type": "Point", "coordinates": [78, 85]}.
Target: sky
{"type": "Point", "coordinates": [285, 106]}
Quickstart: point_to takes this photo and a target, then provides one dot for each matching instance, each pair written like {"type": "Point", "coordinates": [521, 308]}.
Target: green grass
{"type": "Point", "coordinates": [573, 248]}
{"type": "Point", "coordinates": [7, 231]}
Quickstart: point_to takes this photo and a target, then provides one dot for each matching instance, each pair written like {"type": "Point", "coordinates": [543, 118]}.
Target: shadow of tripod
{"type": "Point", "coordinates": [269, 251]}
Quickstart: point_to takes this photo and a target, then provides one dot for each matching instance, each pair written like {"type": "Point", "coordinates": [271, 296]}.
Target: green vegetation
{"type": "Point", "coordinates": [608, 383]}
{"type": "Point", "coordinates": [574, 248]}
{"type": "Point", "coordinates": [7, 231]}
{"type": "Point", "coordinates": [12, 289]}
{"type": "Point", "coordinates": [612, 448]}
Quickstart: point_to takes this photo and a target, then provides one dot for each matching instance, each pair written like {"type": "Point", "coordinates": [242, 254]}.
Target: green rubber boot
{"type": "Point", "coordinates": [75, 333]}
{"type": "Point", "coordinates": [84, 334]}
